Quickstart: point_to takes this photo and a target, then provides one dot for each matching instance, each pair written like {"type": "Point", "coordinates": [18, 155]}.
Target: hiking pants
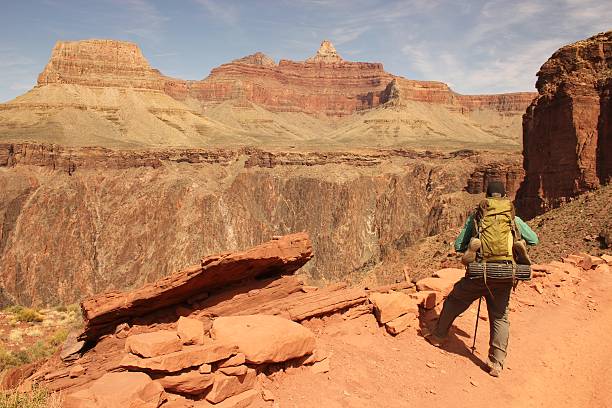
{"type": "Point", "coordinates": [461, 297]}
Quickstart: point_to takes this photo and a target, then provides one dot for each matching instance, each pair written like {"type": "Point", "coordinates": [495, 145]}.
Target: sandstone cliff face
{"type": "Point", "coordinates": [107, 63]}
{"type": "Point", "coordinates": [80, 221]}
{"type": "Point", "coordinates": [566, 130]}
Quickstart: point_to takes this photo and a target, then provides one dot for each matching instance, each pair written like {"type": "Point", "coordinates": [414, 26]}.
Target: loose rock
{"type": "Point", "coordinates": [153, 344]}
{"type": "Point", "coordinates": [264, 339]}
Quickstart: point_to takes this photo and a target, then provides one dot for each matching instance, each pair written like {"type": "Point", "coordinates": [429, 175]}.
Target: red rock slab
{"type": "Point", "coordinates": [233, 361]}
{"type": "Point", "coordinates": [284, 255]}
{"type": "Point", "coordinates": [190, 331]}
{"type": "Point", "coordinates": [263, 338]}
{"type": "Point", "coordinates": [237, 370]}
{"type": "Point", "coordinates": [243, 400]}
{"type": "Point", "coordinates": [603, 268]}
{"type": "Point", "coordinates": [389, 306]}
{"type": "Point", "coordinates": [451, 274]}
{"type": "Point", "coordinates": [191, 382]}
{"type": "Point", "coordinates": [607, 258]}
{"type": "Point", "coordinates": [436, 284]}
{"type": "Point", "coordinates": [226, 386]}
{"type": "Point", "coordinates": [153, 344]}
{"type": "Point", "coordinates": [115, 390]}
{"type": "Point", "coordinates": [400, 324]}
{"type": "Point", "coordinates": [190, 356]}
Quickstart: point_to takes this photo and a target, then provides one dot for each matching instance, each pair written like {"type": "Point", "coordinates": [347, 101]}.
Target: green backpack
{"type": "Point", "coordinates": [495, 227]}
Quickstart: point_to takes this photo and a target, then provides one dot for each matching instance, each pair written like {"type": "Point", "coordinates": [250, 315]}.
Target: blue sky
{"type": "Point", "coordinates": [475, 46]}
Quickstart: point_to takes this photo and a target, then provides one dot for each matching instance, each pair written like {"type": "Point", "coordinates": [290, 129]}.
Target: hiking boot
{"type": "Point", "coordinates": [519, 250]}
{"type": "Point", "coordinates": [433, 339]}
{"type": "Point", "coordinates": [470, 255]}
{"type": "Point", "coordinates": [495, 368]}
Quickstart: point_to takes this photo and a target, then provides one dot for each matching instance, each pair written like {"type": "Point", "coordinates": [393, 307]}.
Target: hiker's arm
{"type": "Point", "coordinates": [527, 233]}
{"type": "Point", "coordinates": [462, 241]}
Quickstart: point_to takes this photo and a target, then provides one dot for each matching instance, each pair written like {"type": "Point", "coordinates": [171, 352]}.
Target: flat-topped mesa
{"type": "Point", "coordinates": [567, 130]}
{"type": "Point", "coordinates": [326, 54]}
{"type": "Point", "coordinates": [108, 63]}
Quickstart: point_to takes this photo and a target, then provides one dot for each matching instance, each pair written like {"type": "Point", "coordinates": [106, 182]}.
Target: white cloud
{"type": "Point", "coordinates": [221, 10]}
{"type": "Point", "coordinates": [143, 18]}
{"type": "Point", "coordinates": [502, 44]}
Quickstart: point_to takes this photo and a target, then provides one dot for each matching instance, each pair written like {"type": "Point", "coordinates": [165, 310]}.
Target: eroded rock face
{"type": "Point", "coordinates": [100, 63]}
{"type": "Point", "coordinates": [566, 130]}
{"type": "Point", "coordinates": [114, 220]}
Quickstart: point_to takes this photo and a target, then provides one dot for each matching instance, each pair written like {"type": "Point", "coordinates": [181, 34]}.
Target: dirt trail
{"type": "Point", "coordinates": [558, 357]}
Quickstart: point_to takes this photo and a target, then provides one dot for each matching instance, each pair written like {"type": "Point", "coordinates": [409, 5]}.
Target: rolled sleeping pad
{"type": "Point", "coordinates": [498, 271]}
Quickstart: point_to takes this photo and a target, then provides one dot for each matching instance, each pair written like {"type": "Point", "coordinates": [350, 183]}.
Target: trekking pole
{"type": "Point", "coordinates": [476, 328]}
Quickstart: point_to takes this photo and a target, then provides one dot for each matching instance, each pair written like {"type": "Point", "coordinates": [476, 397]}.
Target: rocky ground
{"type": "Point", "coordinates": [271, 342]}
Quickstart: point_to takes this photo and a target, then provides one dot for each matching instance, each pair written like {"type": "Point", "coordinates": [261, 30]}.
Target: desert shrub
{"type": "Point", "coordinates": [37, 398]}
{"type": "Point", "coordinates": [24, 314]}
{"type": "Point", "coordinates": [38, 351]}
{"type": "Point", "coordinates": [58, 338]}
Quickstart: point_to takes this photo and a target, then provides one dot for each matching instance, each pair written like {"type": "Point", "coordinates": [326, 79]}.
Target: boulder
{"type": "Point", "coordinates": [263, 338]}
{"type": "Point", "coordinates": [191, 382]}
{"type": "Point", "coordinates": [398, 325]}
{"type": "Point", "coordinates": [153, 344]}
{"type": "Point", "coordinates": [190, 356]}
{"type": "Point", "coordinates": [190, 331]}
{"type": "Point", "coordinates": [113, 390]}
{"type": "Point", "coordinates": [443, 286]}
{"type": "Point", "coordinates": [607, 258]}
{"type": "Point", "coordinates": [450, 274]}
{"type": "Point", "coordinates": [603, 268]}
{"type": "Point", "coordinates": [226, 386]}
{"type": "Point", "coordinates": [388, 306]}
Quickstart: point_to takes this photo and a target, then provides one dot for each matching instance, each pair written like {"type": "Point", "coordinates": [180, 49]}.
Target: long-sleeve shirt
{"type": "Point", "coordinates": [462, 241]}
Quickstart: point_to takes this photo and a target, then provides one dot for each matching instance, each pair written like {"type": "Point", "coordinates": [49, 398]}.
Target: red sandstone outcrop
{"type": "Point", "coordinates": [566, 130]}
{"type": "Point", "coordinates": [280, 256]}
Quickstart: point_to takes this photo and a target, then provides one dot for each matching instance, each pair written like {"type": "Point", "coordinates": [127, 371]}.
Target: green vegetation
{"type": "Point", "coordinates": [39, 350]}
{"type": "Point", "coordinates": [24, 314]}
{"type": "Point", "coordinates": [37, 398]}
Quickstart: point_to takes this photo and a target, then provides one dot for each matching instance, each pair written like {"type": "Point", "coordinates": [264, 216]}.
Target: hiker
{"type": "Point", "coordinates": [489, 236]}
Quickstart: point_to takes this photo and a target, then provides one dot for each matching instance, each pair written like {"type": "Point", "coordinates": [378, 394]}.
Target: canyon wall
{"type": "Point", "coordinates": [74, 222]}
{"type": "Point", "coordinates": [567, 143]}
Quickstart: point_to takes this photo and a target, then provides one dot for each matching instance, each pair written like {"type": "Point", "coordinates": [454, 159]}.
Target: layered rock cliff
{"type": "Point", "coordinates": [566, 130]}
{"type": "Point", "coordinates": [105, 63]}
{"type": "Point", "coordinates": [323, 84]}
{"type": "Point", "coordinates": [74, 222]}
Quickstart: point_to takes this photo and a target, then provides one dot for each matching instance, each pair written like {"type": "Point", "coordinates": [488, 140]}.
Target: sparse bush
{"type": "Point", "coordinates": [37, 398]}
{"type": "Point", "coordinates": [58, 338]}
{"type": "Point", "coordinates": [16, 336]}
{"type": "Point", "coordinates": [38, 351]}
{"type": "Point", "coordinates": [24, 314]}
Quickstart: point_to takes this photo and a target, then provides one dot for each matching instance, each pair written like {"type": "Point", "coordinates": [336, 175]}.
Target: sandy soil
{"type": "Point", "coordinates": [558, 357]}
